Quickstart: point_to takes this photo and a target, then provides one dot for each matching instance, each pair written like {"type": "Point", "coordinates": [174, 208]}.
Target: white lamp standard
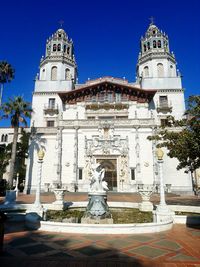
{"type": "Point", "coordinates": [160, 154]}
{"type": "Point", "coordinates": [37, 203]}
{"type": "Point", "coordinates": [16, 186]}
{"type": "Point", "coordinates": [163, 212]}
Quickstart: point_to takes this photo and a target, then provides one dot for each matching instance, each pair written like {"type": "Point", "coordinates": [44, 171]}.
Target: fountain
{"type": "Point", "coordinates": [97, 210]}
{"type": "Point", "coordinates": [97, 217]}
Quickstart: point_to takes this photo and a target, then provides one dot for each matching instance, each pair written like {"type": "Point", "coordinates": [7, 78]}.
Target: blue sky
{"type": "Point", "coordinates": [106, 37]}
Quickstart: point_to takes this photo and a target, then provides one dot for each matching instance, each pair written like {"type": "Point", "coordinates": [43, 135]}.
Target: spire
{"type": "Point", "coordinates": [155, 58]}
{"type": "Point", "coordinates": [59, 61]}
{"type": "Point", "coordinates": [154, 40]}
{"type": "Point", "coordinates": [59, 45]}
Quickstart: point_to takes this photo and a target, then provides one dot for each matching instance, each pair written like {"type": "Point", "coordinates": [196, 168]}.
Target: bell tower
{"type": "Point", "coordinates": [156, 67]}
{"type": "Point", "coordinates": [57, 73]}
{"type": "Point", "coordinates": [58, 69]}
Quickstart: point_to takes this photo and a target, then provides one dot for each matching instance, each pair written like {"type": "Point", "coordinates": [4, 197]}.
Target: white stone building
{"type": "Point", "coordinates": [106, 120]}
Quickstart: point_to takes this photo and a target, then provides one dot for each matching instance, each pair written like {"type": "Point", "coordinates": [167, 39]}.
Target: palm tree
{"type": "Point", "coordinates": [6, 75]}
{"type": "Point", "coordinates": [17, 110]}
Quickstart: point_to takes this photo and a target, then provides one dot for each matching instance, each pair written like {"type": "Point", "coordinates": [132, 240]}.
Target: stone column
{"type": "Point", "coordinates": [75, 158]}
{"type": "Point", "coordinates": [137, 149]}
{"type": "Point", "coordinates": [37, 203]}
{"type": "Point", "coordinates": [59, 152]}
{"type": "Point", "coordinates": [155, 164]}
{"type": "Point", "coordinates": [162, 191]}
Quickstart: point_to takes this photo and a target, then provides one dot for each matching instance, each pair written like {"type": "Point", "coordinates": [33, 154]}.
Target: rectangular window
{"type": "Point", "coordinates": [52, 103]}
{"type": "Point", "coordinates": [164, 122]}
{"type": "Point", "coordinates": [80, 173]}
{"type": "Point", "coordinates": [118, 97]}
{"type": "Point", "coordinates": [133, 174]}
{"type": "Point", "coordinates": [50, 123]}
{"type": "Point", "coordinates": [110, 97]}
{"type": "Point", "coordinates": [163, 101]}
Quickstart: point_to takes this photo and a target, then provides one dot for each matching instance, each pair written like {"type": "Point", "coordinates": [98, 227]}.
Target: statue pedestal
{"type": "Point", "coordinates": [145, 191]}
{"type": "Point", "coordinates": [97, 210]}
{"type": "Point", "coordinates": [59, 195]}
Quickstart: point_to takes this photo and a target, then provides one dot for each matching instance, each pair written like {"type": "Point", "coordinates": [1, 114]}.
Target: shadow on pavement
{"type": "Point", "coordinates": [39, 249]}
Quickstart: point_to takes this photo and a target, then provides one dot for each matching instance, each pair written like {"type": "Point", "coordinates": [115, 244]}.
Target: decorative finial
{"type": "Point", "coordinates": [61, 22]}
{"type": "Point", "coordinates": [152, 20]}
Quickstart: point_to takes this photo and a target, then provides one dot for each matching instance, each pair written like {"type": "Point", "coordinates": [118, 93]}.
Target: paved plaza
{"type": "Point", "coordinates": [177, 247]}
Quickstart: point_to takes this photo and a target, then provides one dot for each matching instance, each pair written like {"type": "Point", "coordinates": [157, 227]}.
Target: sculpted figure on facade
{"type": "Point", "coordinates": [88, 168]}
{"type": "Point", "coordinates": [124, 166]}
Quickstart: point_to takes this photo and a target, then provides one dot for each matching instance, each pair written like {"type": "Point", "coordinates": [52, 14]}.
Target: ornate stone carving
{"type": "Point", "coordinates": [104, 146]}
{"type": "Point", "coordinates": [106, 123]}
{"type": "Point", "coordinates": [123, 167]}
{"type": "Point", "coordinates": [145, 191]}
{"type": "Point", "coordinates": [88, 167]}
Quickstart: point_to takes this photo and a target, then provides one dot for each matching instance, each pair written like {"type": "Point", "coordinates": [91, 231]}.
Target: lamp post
{"type": "Point", "coordinates": [37, 203]}
{"type": "Point", "coordinates": [163, 213]}
{"type": "Point", "coordinates": [160, 154]}
{"type": "Point", "coordinates": [16, 186]}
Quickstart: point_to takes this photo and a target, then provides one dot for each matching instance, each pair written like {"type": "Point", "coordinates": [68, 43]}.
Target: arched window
{"type": "Point", "coordinates": [2, 138]}
{"type": "Point", "coordinates": [159, 44]}
{"type": "Point", "coordinates": [146, 71]}
{"type": "Point", "coordinates": [160, 69]}
{"type": "Point", "coordinates": [145, 48]}
{"type": "Point", "coordinates": [68, 49]}
{"type": "Point", "coordinates": [64, 48]}
{"type": "Point", "coordinates": [54, 73]}
{"type": "Point", "coordinates": [67, 74]}
{"type": "Point", "coordinates": [154, 44]}
{"type": "Point", "coordinates": [59, 47]}
{"type": "Point", "coordinates": [148, 45]}
{"type": "Point", "coordinates": [54, 47]}
{"type": "Point", "coordinates": [6, 138]}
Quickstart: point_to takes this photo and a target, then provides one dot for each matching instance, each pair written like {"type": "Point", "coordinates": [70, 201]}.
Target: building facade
{"type": "Point", "coordinates": [106, 120]}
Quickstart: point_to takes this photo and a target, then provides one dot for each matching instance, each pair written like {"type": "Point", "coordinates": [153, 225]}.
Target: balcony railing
{"type": "Point", "coordinates": [51, 108]}
{"type": "Point", "coordinates": [164, 107]}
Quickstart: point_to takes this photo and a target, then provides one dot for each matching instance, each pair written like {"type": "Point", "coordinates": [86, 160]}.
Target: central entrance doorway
{"type": "Point", "coordinates": [110, 166]}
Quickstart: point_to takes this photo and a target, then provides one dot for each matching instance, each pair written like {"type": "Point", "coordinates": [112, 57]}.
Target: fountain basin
{"type": "Point", "coordinates": [138, 228]}
{"type": "Point", "coordinates": [135, 228]}
{"type": "Point", "coordinates": [82, 228]}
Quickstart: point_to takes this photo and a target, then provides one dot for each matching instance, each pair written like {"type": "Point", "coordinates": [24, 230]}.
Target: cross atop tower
{"type": "Point", "coordinates": [152, 20]}
{"type": "Point", "coordinates": [61, 22]}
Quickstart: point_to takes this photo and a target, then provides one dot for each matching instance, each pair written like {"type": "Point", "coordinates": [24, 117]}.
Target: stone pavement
{"type": "Point", "coordinates": [171, 199]}
{"type": "Point", "coordinates": [179, 247]}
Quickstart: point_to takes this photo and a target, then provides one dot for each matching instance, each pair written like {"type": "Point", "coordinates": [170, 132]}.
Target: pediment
{"type": "Point", "coordinates": [94, 92]}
